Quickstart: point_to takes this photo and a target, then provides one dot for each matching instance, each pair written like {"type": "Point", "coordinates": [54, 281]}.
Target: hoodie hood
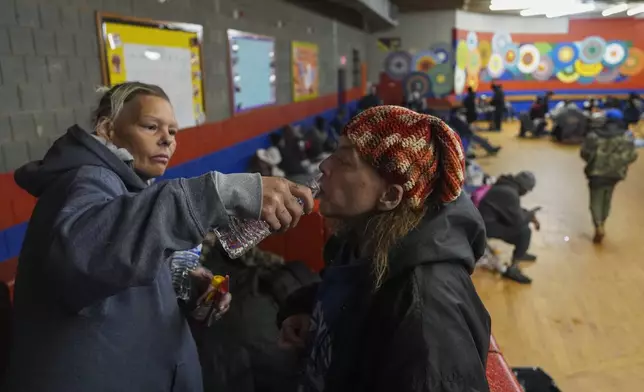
{"type": "Point", "coordinates": [73, 150]}
{"type": "Point", "coordinates": [455, 234]}
{"type": "Point", "coordinates": [611, 128]}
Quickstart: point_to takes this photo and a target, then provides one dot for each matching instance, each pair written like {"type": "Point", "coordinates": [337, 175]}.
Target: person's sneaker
{"type": "Point", "coordinates": [526, 257]}
{"type": "Point", "coordinates": [599, 235]}
{"type": "Point", "coordinates": [514, 273]}
{"type": "Point", "coordinates": [494, 151]}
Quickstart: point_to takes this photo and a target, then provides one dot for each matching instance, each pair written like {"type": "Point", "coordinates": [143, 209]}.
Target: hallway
{"type": "Point", "coordinates": [582, 319]}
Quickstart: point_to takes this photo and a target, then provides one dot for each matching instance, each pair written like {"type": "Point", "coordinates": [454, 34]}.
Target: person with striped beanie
{"type": "Point", "coordinates": [396, 309]}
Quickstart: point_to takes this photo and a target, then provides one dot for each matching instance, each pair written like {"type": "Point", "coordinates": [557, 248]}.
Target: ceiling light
{"type": "Point", "coordinates": [615, 9]}
{"type": "Point", "coordinates": [635, 10]}
{"type": "Point", "coordinates": [532, 12]}
{"type": "Point", "coordinates": [577, 9]}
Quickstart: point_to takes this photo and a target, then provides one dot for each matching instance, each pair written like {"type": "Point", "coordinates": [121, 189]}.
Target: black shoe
{"type": "Point", "coordinates": [494, 151]}
{"type": "Point", "coordinates": [526, 257]}
{"type": "Point", "coordinates": [514, 273]}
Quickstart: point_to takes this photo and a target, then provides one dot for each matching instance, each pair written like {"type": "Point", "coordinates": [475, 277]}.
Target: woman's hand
{"type": "Point", "coordinates": [280, 206]}
{"type": "Point", "coordinates": [202, 278]}
{"type": "Point", "coordinates": [294, 332]}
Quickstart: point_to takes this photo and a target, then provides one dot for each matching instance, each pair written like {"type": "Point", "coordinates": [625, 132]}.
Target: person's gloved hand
{"type": "Point", "coordinates": [280, 206]}
{"type": "Point", "coordinates": [202, 278]}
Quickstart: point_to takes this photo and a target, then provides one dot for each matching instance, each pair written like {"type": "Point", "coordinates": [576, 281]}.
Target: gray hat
{"type": "Point", "coordinates": [526, 180]}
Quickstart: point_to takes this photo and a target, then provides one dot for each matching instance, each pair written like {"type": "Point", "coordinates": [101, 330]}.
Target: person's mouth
{"type": "Point", "coordinates": [161, 158]}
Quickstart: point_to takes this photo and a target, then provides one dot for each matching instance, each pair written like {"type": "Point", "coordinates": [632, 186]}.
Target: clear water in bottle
{"type": "Point", "coordinates": [182, 263]}
{"type": "Point", "coordinates": [241, 235]}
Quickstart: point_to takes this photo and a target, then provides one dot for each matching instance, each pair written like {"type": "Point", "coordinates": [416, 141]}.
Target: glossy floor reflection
{"type": "Point", "coordinates": [582, 319]}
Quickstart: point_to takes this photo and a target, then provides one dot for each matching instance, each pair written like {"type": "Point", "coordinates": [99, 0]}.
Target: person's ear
{"type": "Point", "coordinates": [391, 197]}
{"type": "Point", "coordinates": [105, 129]}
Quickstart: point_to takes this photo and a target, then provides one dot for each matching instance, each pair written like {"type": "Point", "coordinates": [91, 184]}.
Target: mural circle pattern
{"type": "Point", "coordinates": [442, 53]}
{"type": "Point", "coordinates": [615, 54]}
{"type": "Point", "coordinates": [397, 65]}
{"type": "Point", "coordinates": [462, 54]}
{"type": "Point", "coordinates": [608, 75]}
{"type": "Point", "coordinates": [474, 65]}
{"type": "Point", "coordinates": [485, 49]}
{"type": "Point", "coordinates": [529, 58]}
{"type": "Point", "coordinates": [500, 41]}
{"type": "Point", "coordinates": [511, 55]}
{"type": "Point", "coordinates": [634, 63]}
{"type": "Point", "coordinates": [459, 80]}
{"type": "Point", "coordinates": [473, 81]}
{"type": "Point", "coordinates": [424, 61]}
{"type": "Point", "coordinates": [472, 40]}
{"type": "Point", "coordinates": [496, 66]}
{"type": "Point", "coordinates": [564, 55]}
{"type": "Point", "coordinates": [441, 78]}
{"type": "Point", "coordinates": [418, 81]}
{"type": "Point", "coordinates": [545, 69]}
{"type": "Point", "coordinates": [568, 75]}
{"type": "Point", "coordinates": [588, 70]}
{"type": "Point", "coordinates": [591, 50]}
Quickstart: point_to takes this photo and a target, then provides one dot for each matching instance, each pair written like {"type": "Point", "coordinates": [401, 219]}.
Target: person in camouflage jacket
{"type": "Point", "coordinates": [608, 151]}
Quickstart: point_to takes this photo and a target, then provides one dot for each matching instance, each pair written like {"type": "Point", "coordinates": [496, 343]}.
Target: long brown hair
{"type": "Point", "coordinates": [378, 234]}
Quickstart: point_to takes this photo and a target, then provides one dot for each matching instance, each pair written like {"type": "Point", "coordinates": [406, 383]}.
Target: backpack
{"type": "Point", "coordinates": [479, 194]}
{"type": "Point", "coordinates": [239, 353]}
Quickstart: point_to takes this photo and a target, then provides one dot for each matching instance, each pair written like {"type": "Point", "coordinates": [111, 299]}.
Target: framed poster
{"type": "Point", "coordinates": [306, 71]}
{"type": "Point", "coordinates": [166, 54]}
{"type": "Point", "coordinates": [252, 70]}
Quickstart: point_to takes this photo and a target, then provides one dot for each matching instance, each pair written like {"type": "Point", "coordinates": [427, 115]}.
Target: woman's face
{"type": "Point", "coordinates": [146, 127]}
{"type": "Point", "coordinates": [350, 187]}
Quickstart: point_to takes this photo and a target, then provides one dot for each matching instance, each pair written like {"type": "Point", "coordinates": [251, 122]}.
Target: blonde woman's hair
{"type": "Point", "coordinates": [114, 98]}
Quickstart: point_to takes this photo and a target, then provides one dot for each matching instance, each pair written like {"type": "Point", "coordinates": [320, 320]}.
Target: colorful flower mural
{"type": "Point", "coordinates": [592, 59]}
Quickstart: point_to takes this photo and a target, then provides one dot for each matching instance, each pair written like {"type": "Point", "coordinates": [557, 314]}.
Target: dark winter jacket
{"type": "Point", "coordinates": [469, 103]}
{"type": "Point", "coordinates": [425, 329]}
{"type": "Point", "coordinates": [608, 151]}
{"type": "Point", "coordinates": [95, 309]}
{"type": "Point", "coordinates": [501, 208]}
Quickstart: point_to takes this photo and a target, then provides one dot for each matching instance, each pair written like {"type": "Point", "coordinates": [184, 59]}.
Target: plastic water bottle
{"type": "Point", "coordinates": [182, 263]}
{"type": "Point", "coordinates": [241, 235]}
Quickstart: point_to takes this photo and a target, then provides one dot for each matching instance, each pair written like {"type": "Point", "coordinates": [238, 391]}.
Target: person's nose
{"type": "Point", "coordinates": [167, 137]}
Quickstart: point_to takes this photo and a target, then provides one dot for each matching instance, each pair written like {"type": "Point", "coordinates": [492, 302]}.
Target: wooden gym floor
{"type": "Point", "coordinates": [582, 319]}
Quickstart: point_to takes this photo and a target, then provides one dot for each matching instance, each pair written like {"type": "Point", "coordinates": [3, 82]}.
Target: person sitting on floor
{"type": "Point", "coordinates": [504, 217]}
{"type": "Point", "coordinates": [465, 131]}
{"type": "Point", "coordinates": [608, 151]}
{"type": "Point", "coordinates": [538, 117]}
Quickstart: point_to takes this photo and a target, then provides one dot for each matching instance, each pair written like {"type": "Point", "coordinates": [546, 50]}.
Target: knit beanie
{"type": "Point", "coordinates": [526, 180]}
{"type": "Point", "coordinates": [416, 151]}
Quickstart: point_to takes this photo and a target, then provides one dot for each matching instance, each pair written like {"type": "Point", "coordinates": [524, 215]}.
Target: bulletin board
{"type": "Point", "coordinates": [306, 71]}
{"type": "Point", "coordinates": [166, 54]}
{"type": "Point", "coordinates": [252, 70]}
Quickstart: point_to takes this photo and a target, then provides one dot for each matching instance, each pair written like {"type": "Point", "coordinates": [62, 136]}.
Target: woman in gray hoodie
{"type": "Point", "coordinates": [94, 304]}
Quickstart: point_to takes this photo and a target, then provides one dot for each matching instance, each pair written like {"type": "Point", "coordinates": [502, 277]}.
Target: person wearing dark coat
{"type": "Point", "coordinates": [95, 308]}
{"type": "Point", "coordinates": [396, 309]}
{"type": "Point", "coordinates": [504, 217]}
{"type": "Point", "coordinates": [469, 103]}
{"type": "Point", "coordinates": [498, 102]}
{"type": "Point", "coordinates": [370, 100]}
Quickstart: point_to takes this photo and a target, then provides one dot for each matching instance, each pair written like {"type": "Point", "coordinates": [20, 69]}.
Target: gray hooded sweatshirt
{"type": "Point", "coordinates": [95, 309]}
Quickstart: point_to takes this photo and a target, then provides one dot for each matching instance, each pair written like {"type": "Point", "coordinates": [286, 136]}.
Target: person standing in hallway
{"type": "Point", "coordinates": [608, 151]}
{"type": "Point", "coordinates": [504, 217]}
{"type": "Point", "coordinates": [469, 103]}
{"type": "Point", "coordinates": [95, 308]}
{"type": "Point", "coordinates": [396, 309]}
{"type": "Point", "coordinates": [498, 102]}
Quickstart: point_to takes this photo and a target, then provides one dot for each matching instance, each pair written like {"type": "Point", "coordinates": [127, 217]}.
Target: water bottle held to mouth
{"type": "Point", "coordinates": [241, 235]}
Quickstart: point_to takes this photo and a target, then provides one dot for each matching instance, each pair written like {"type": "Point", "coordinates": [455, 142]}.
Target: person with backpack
{"type": "Point", "coordinates": [608, 151]}
{"type": "Point", "coordinates": [396, 309]}
{"type": "Point", "coordinates": [507, 220]}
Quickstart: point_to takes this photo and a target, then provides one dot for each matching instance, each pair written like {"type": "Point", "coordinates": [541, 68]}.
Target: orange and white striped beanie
{"type": "Point", "coordinates": [417, 151]}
